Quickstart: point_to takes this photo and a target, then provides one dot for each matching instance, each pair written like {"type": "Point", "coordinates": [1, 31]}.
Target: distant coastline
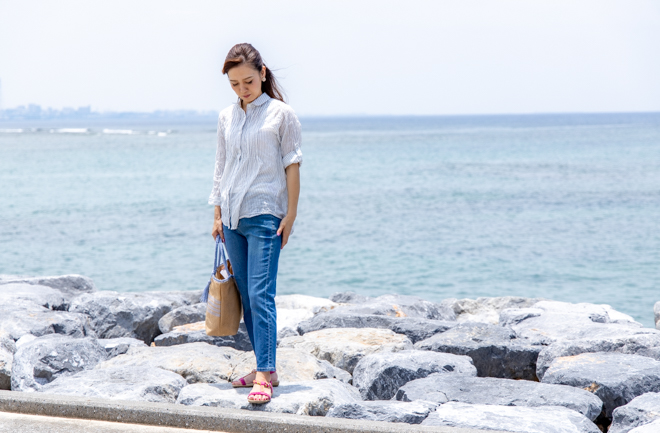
{"type": "Point", "coordinates": [36, 112]}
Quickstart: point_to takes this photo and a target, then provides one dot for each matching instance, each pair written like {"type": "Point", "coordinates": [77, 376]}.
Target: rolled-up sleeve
{"type": "Point", "coordinates": [290, 138]}
{"type": "Point", "coordinates": [220, 155]}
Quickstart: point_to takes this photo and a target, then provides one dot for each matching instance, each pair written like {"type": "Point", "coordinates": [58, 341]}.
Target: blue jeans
{"type": "Point", "coordinates": [254, 251]}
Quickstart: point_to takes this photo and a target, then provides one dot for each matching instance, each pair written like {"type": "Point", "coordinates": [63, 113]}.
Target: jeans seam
{"type": "Point", "coordinates": [270, 365]}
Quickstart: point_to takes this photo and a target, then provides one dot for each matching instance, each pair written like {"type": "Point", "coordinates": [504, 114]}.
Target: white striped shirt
{"type": "Point", "coordinates": [254, 148]}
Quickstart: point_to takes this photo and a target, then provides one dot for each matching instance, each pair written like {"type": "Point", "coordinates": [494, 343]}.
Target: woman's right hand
{"type": "Point", "coordinates": [217, 225]}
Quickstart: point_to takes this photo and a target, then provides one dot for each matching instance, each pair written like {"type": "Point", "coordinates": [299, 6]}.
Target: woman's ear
{"type": "Point", "coordinates": [263, 72]}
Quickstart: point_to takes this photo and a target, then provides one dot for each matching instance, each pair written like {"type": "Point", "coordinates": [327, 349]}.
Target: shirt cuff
{"type": "Point", "coordinates": [214, 200]}
{"type": "Point", "coordinates": [292, 157]}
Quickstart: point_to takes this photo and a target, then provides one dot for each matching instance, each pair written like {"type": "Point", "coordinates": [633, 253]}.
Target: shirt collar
{"type": "Point", "coordinates": [260, 100]}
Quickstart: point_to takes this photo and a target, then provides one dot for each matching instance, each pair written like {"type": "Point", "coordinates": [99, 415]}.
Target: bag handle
{"type": "Point", "coordinates": [221, 258]}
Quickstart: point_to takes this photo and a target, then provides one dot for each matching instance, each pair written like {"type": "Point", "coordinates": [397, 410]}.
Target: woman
{"type": "Point", "coordinates": [255, 193]}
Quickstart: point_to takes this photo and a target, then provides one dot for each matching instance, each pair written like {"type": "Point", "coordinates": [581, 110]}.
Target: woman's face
{"type": "Point", "coordinates": [246, 82]}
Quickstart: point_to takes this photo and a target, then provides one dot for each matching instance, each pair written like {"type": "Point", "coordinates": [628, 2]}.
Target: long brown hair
{"type": "Point", "coordinates": [246, 53]}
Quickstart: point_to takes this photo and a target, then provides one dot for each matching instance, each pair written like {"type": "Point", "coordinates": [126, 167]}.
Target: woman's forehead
{"type": "Point", "coordinates": [241, 72]}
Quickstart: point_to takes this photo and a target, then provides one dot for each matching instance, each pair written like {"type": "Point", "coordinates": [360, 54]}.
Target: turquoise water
{"type": "Point", "coordinates": [564, 207]}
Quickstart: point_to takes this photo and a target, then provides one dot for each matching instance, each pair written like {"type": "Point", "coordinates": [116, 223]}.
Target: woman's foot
{"type": "Point", "coordinates": [246, 381]}
{"type": "Point", "coordinates": [258, 390]}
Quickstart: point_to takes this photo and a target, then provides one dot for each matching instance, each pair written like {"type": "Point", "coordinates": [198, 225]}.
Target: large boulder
{"type": "Point", "coordinates": [196, 362]}
{"type": "Point", "coordinates": [290, 318]}
{"type": "Point", "coordinates": [654, 427]}
{"type": "Point", "coordinates": [641, 410]}
{"type": "Point", "coordinates": [7, 349]}
{"type": "Point", "coordinates": [135, 315]}
{"type": "Point", "coordinates": [139, 383]}
{"type": "Point", "coordinates": [118, 346]}
{"type": "Point", "coordinates": [313, 397]}
{"type": "Point", "coordinates": [511, 418]}
{"type": "Point", "coordinates": [613, 377]}
{"type": "Point", "coordinates": [400, 306]}
{"type": "Point", "coordinates": [486, 310]}
{"type": "Point", "coordinates": [378, 376]}
{"type": "Point", "coordinates": [345, 347]}
{"type": "Point", "coordinates": [46, 358]}
{"type": "Point", "coordinates": [656, 313]}
{"type": "Point", "coordinates": [547, 322]}
{"type": "Point", "coordinates": [495, 350]}
{"type": "Point", "coordinates": [182, 316]}
{"type": "Point", "coordinates": [293, 365]}
{"type": "Point", "coordinates": [196, 333]}
{"type": "Point", "coordinates": [440, 388]}
{"type": "Point", "coordinates": [415, 329]}
{"type": "Point", "coordinates": [311, 304]}
{"type": "Point", "coordinates": [70, 285]}
{"type": "Point", "coordinates": [43, 296]}
{"type": "Point", "coordinates": [644, 343]}
{"type": "Point", "coordinates": [348, 298]}
{"type": "Point", "coordinates": [388, 411]}
{"type": "Point", "coordinates": [21, 317]}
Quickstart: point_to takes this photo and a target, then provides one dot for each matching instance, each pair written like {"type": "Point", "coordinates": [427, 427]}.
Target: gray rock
{"type": "Point", "coordinates": [420, 329]}
{"type": "Point", "coordinates": [286, 332]}
{"type": "Point", "coordinates": [46, 358]}
{"type": "Point", "coordinates": [388, 411]}
{"type": "Point", "coordinates": [313, 397]}
{"type": "Point", "coordinates": [196, 333]}
{"type": "Point", "coordinates": [118, 346]}
{"type": "Point", "coordinates": [548, 322]}
{"type": "Point", "coordinates": [182, 316]}
{"type": "Point", "coordinates": [486, 310]}
{"type": "Point", "coordinates": [656, 313]}
{"type": "Point", "coordinates": [340, 319]}
{"type": "Point", "coordinates": [654, 427]}
{"type": "Point", "coordinates": [613, 377]}
{"type": "Point", "coordinates": [645, 343]}
{"type": "Point", "coordinates": [7, 349]}
{"type": "Point", "coordinates": [641, 410]}
{"type": "Point", "coordinates": [495, 350]}
{"type": "Point", "coordinates": [293, 365]}
{"type": "Point", "coordinates": [550, 419]}
{"type": "Point", "coordinates": [123, 383]}
{"type": "Point", "coordinates": [378, 376]}
{"type": "Point", "coordinates": [43, 296]}
{"type": "Point", "coordinates": [25, 317]}
{"type": "Point", "coordinates": [69, 285]}
{"type": "Point", "coordinates": [135, 315]}
{"type": "Point", "coordinates": [440, 388]}
{"type": "Point", "coordinates": [349, 298]}
{"type": "Point", "coordinates": [195, 362]}
{"type": "Point", "coordinates": [414, 328]}
{"type": "Point", "coordinates": [400, 306]}
{"type": "Point", "coordinates": [344, 347]}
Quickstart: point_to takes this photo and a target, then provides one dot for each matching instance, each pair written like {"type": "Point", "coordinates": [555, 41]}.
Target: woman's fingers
{"type": "Point", "coordinates": [217, 231]}
{"type": "Point", "coordinates": [284, 231]}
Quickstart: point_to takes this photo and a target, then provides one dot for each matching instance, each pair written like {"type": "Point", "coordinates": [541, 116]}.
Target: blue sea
{"type": "Point", "coordinates": [564, 207]}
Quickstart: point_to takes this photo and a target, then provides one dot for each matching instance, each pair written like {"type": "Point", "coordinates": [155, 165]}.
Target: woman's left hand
{"type": "Point", "coordinates": [285, 228]}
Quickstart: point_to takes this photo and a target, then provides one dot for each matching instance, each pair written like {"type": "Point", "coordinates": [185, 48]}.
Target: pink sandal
{"type": "Point", "coordinates": [245, 385]}
{"type": "Point", "coordinates": [262, 384]}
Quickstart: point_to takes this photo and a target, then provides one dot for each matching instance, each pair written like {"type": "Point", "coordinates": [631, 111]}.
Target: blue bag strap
{"type": "Point", "coordinates": [220, 259]}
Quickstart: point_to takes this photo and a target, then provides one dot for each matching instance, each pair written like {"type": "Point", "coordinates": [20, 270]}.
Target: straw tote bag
{"type": "Point", "coordinates": [223, 301]}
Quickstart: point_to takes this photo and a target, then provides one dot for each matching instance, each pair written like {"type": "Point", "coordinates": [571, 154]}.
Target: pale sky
{"type": "Point", "coordinates": [337, 57]}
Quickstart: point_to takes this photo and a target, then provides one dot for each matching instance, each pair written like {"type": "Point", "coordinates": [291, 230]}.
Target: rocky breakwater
{"type": "Point", "coordinates": [510, 364]}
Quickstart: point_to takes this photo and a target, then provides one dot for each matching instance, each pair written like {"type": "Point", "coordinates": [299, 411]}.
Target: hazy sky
{"type": "Point", "coordinates": [337, 57]}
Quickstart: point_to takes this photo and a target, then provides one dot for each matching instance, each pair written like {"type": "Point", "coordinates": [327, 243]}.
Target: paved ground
{"type": "Point", "coordinates": [20, 423]}
{"type": "Point", "coordinates": [36, 412]}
